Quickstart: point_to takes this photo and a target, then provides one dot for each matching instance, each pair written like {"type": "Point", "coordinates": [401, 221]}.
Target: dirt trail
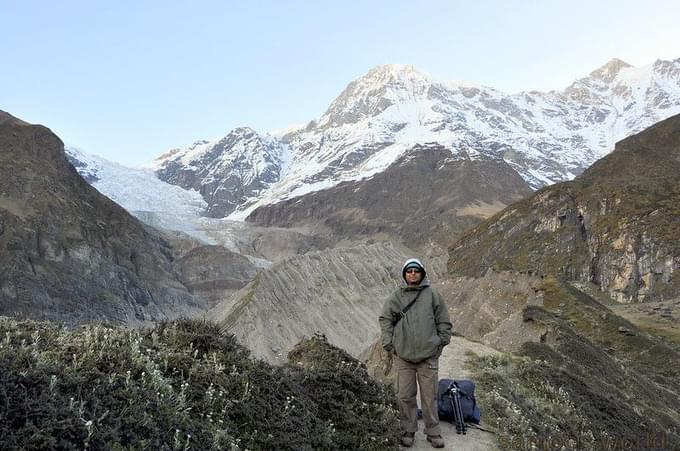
{"type": "Point", "coordinates": [451, 366]}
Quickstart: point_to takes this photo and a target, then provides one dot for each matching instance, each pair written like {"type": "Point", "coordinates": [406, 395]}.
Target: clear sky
{"type": "Point", "coordinates": [129, 80]}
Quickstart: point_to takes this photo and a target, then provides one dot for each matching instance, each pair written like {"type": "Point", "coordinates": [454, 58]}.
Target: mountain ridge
{"type": "Point", "coordinates": [546, 137]}
{"type": "Point", "coordinates": [228, 171]}
{"type": "Point", "coordinates": [425, 198]}
{"type": "Point", "coordinates": [70, 254]}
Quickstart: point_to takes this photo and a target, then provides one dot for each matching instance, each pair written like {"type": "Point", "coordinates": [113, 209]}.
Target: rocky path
{"type": "Point", "coordinates": [474, 440]}
{"type": "Point", "coordinates": [451, 365]}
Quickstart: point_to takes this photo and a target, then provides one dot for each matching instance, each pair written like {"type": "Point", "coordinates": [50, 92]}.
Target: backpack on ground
{"type": "Point", "coordinates": [465, 389]}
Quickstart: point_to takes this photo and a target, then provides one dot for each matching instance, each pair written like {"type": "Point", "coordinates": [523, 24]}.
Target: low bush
{"type": "Point", "coordinates": [178, 386]}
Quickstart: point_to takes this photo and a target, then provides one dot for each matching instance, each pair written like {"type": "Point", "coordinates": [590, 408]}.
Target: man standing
{"type": "Point", "coordinates": [415, 326]}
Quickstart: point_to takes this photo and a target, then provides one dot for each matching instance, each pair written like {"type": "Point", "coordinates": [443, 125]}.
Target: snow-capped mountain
{"type": "Point", "coordinates": [227, 172]}
{"type": "Point", "coordinates": [546, 137]}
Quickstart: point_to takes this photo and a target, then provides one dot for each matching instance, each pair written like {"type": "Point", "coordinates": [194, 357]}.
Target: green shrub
{"type": "Point", "coordinates": [340, 385]}
{"type": "Point", "coordinates": [178, 386]}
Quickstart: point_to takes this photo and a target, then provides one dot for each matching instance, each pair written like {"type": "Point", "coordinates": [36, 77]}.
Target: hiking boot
{"type": "Point", "coordinates": [407, 439]}
{"type": "Point", "coordinates": [436, 441]}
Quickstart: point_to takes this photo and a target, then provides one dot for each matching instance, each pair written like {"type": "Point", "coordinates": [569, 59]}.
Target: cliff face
{"type": "Point", "coordinates": [69, 254]}
{"type": "Point", "coordinates": [616, 226]}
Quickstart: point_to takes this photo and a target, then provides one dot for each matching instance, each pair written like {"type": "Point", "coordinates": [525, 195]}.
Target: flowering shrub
{"type": "Point", "coordinates": [178, 386]}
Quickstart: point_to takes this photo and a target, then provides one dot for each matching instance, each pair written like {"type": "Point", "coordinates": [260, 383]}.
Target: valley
{"type": "Point", "coordinates": [547, 221]}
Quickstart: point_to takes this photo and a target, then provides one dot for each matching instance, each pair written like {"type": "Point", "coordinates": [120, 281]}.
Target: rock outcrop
{"type": "Point", "coordinates": [214, 273]}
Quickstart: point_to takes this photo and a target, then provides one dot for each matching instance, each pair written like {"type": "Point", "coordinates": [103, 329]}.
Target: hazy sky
{"type": "Point", "coordinates": [128, 80]}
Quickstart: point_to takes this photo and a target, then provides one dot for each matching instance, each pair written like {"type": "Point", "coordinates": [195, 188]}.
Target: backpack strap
{"type": "Point", "coordinates": [402, 313]}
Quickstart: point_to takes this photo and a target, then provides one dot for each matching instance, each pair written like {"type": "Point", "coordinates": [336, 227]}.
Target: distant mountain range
{"type": "Point", "coordinates": [545, 137]}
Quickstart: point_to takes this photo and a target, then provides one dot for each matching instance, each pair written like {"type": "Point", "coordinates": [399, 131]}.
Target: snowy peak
{"type": "Point", "coordinates": [235, 145]}
{"type": "Point", "coordinates": [618, 79]}
{"type": "Point", "coordinates": [228, 171]}
{"type": "Point", "coordinates": [244, 142]}
{"type": "Point", "coordinates": [545, 137]}
{"type": "Point", "coordinates": [176, 154]}
{"type": "Point", "coordinates": [371, 94]}
{"type": "Point", "coordinates": [395, 75]}
{"type": "Point", "coordinates": [609, 71]}
{"type": "Point", "coordinates": [247, 153]}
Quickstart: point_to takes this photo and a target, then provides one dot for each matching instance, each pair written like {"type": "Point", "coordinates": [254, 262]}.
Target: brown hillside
{"type": "Point", "coordinates": [427, 196]}
{"type": "Point", "coordinates": [618, 225]}
{"type": "Point", "coordinates": [69, 254]}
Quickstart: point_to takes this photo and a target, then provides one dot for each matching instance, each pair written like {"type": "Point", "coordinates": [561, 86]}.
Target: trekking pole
{"type": "Point", "coordinates": [459, 410]}
{"type": "Point", "coordinates": [455, 414]}
{"type": "Point", "coordinates": [461, 428]}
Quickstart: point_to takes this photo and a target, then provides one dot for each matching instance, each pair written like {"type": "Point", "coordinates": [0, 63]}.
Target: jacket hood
{"type": "Point", "coordinates": [414, 262]}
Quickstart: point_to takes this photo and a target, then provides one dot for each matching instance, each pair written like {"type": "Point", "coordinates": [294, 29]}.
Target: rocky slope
{"type": "Point", "coordinates": [616, 225]}
{"type": "Point", "coordinates": [336, 292]}
{"type": "Point", "coordinates": [546, 137]}
{"type": "Point", "coordinates": [427, 196]}
{"type": "Point", "coordinates": [574, 371]}
{"type": "Point", "coordinates": [69, 254]}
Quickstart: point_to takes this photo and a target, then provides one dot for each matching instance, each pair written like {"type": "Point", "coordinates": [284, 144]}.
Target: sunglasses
{"type": "Point", "coordinates": [412, 270]}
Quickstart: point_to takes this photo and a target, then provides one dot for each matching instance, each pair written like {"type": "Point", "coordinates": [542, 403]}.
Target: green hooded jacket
{"type": "Point", "coordinates": [423, 331]}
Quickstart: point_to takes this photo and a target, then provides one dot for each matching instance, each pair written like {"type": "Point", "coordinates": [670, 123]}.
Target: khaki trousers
{"type": "Point", "coordinates": [426, 375]}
